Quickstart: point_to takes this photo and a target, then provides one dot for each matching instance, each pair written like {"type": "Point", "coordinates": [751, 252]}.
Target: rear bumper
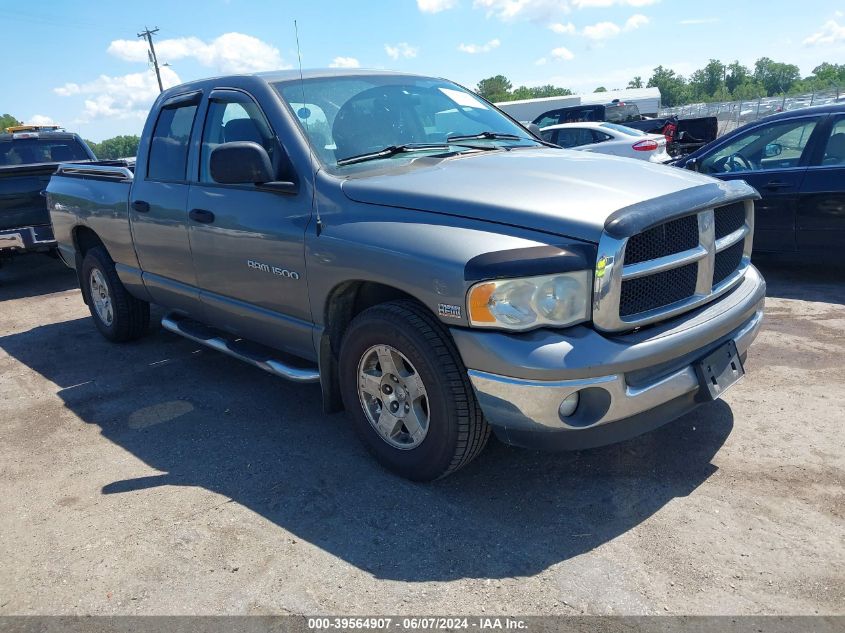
{"type": "Point", "coordinates": [28, 238]}
{"type": "Point", "coordinates": [627, 384]}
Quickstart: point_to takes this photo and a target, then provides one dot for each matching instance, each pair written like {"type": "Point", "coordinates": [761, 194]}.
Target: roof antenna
{"type": "Point", "coordinates": [310, 146]}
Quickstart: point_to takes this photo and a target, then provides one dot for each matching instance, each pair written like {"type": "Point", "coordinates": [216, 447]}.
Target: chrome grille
{"type": "Point", "coordinates": [672, 267]}
{"type": "Point", "coordinates": [729, 218]}
{"type": "Point", "coordinates": [664, 239]}
{"type": "Point", "coordinates": [647, 293]}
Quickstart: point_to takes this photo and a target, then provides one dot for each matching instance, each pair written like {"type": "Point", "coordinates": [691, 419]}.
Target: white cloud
{"type": "Point", "coordinates": [635, 21]}
{"type": "Point", "coordinates": [601, 31]}
{"type": "Point", "coordinates": [562, 53]}
{"type": "Point", "coordinates": [229, 53]}
{"type": "Point", "coordinates": [345, 62]}
{"type": "Point", "coordinates": [601, 4]}
{"type": "Point", "coordinates": [67, 90]}
{"type": "Point", "coordinates": [559, 27]}
{"type": "Point", "coordinates": [523, 9]}
{"type": "Point", "coordinates": [121, 97]}
{"type": "Point", "coordinates": [699, 21]}
{"type": "Point", "coordinates": [831, 32]}
{"type": "Point", "coordinates": [606, 30]}
{"type": "Point", "coordinates": [541, 62]}
{"type": "Point", "coordinates": [40, 119]}
{"type": "Point", "coordinates": [402, 49]}
{"type": "Point", "coordinates": [436, 6]}
{"type": "Point", "coordinates": [473, 49]}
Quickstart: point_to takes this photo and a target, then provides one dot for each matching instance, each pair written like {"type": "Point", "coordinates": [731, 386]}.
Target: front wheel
{"type": "Point", "coordinates": [407, 390]}
{"type": "Point", "coordinates": [117, 314]}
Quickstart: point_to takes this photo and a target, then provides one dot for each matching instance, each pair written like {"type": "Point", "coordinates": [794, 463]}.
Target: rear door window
{"type": "Point", "coordinates": [169, 146]}
{"type": "Point", "coordinates": [834, 153]}
{"type": "Point", "coordinates": [574, 137]}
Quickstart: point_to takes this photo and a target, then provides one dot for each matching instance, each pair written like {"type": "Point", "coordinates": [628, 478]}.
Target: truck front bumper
{"type": "Point", "coordinates": [627, 384]}
{"type": "Point", "coordinates": [27, 238]}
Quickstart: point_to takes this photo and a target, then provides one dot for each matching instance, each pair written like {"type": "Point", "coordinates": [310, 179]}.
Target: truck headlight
{"type": "Point", "coordinates": [521, 304]}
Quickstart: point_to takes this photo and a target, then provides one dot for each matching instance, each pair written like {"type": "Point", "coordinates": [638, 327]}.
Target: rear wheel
{"type": "Point", "coordinates": [117, 314]}
{"type": "Point", "coordinates": [408, 392]}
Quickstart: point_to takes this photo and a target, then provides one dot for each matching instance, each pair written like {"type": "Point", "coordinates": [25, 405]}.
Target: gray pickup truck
{"type": "Point", "coordinates": [436, 268]}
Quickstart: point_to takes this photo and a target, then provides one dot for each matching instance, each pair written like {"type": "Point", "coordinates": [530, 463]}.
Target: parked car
{"type": "Point", "coordinates": [608, 138]}
{"type": "Point", "coordinates": [28, 156]}
{"type": "Point", "coordinates": [796, 160]}
{"type": "Point", "coordinates": [682, 135]}
{"type": "Point", "coordinates": [434, 267]}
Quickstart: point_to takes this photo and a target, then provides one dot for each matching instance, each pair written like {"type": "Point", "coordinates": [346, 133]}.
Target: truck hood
{"type": "Point", "coordinates": [564, 192]}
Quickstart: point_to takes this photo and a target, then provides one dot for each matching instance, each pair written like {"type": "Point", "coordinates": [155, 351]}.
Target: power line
{"type": "Point", "coordinates": [147, 34]}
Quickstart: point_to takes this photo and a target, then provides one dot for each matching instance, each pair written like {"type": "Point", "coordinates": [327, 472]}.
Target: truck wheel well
{"type": "Point", "coordinates": [85, 239]}
{"type": "Point", "coordinates": [344, 303]}
{"type": "Point", "coordinates": [350, 299]}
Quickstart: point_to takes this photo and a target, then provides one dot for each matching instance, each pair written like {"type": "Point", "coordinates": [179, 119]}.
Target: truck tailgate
{"type": "Point", "coordinates": [21, 202]}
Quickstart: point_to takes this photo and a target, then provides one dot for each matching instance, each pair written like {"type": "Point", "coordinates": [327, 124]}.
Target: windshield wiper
{"type": "Point", "coordinates": [390, 150]}
{"type": "Point", "coordinates": [491, 135]}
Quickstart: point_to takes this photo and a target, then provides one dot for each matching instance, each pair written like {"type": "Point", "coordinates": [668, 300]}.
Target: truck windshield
{"type": "Point", "coordinates": [29, 151]}
{"type": "Point", "coordinates": [347, 117]}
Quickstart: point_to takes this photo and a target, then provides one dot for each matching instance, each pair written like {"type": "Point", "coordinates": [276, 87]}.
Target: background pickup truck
{"type": "Point", "coordinates": [437, 269]}
{"type": "Point", "coordinates": [28, 156]}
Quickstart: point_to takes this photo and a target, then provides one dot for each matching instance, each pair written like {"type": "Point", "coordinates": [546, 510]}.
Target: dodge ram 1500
{"type": "Point", "coordinates": [436, 268]}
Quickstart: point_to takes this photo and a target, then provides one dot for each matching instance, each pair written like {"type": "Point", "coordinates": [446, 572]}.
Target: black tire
{"type": "Point", "coordinates": [130, 316]}
{"type": "Point", "coordinates": [457, 431]}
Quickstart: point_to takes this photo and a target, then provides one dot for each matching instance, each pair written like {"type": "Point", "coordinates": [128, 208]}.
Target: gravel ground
{"type": "Point", "coordinates": [159, 478]}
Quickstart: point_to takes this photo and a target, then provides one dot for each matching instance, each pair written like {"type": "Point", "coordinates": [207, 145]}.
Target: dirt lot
{"type": "Point", "coordinates": [158, 478]}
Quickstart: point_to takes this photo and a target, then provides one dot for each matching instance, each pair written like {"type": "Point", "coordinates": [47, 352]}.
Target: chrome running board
{"type": "Point", "coordinates": [238, 348]}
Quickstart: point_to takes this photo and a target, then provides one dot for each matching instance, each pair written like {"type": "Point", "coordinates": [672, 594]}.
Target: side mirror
{"type": "Point", "coordinates": [241, 162]}
{"type": "Point", "coordinates": [772, 149]}
{"type": "Point", "coordinates": [245, 162]}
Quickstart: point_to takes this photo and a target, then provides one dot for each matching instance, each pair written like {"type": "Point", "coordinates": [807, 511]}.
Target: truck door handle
{"type": "Point", "coordinates": [140, 206]}
{"type": "Point", "coordinates": [777, 184]}
{"type": "Point", "coordinates": [201, 215]}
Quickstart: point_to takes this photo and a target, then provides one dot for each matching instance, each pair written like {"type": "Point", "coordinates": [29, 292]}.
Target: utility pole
{"type": "Point", "coordinates": [147, 34]}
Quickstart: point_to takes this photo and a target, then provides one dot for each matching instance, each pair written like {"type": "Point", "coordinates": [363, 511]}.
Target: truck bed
{"type": "Point", "coordinates": [93, 194]}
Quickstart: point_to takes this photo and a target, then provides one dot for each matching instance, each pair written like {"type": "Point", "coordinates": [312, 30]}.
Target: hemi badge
{"type": "Point", "coordinates": [446, 310]}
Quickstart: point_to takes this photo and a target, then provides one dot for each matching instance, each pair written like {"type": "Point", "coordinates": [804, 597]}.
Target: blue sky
{"type": "Point", "coordinates": [81, 64]}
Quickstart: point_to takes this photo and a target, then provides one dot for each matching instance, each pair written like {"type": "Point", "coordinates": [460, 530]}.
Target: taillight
{"type": "Point", "coordinates": [645, 146]}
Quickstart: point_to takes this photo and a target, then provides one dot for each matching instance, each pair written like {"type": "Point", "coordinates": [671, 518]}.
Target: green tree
{"type": "Point", "coordinates": [673, 88]}
{"type": "Point", "coordinates": [495, 88]}
{"type": "Point", "coordinates": [124, 146]}
{"type": "Point", "coordinates": [600, 89]}
{"type": "Point", "coordinates": [775, 77]}
{"type": "Point", "coordinates": [636, 82]}
{"type": "Point", "coordinates": [827, 75]}
{"type": "Point", "coordinates": [537, 92]}
{"type": "Point", "coordinates": [706, 82]}
{"type": "Point", "coordinates": [7, 120]}
{"type": "Point", "coordinates": [748, 91]}
{"type": "Point", "coordinates": [736, 75]}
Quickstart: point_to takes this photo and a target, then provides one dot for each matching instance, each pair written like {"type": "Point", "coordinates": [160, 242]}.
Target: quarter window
{"type": "Point", "coordinates": [169, 145]}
